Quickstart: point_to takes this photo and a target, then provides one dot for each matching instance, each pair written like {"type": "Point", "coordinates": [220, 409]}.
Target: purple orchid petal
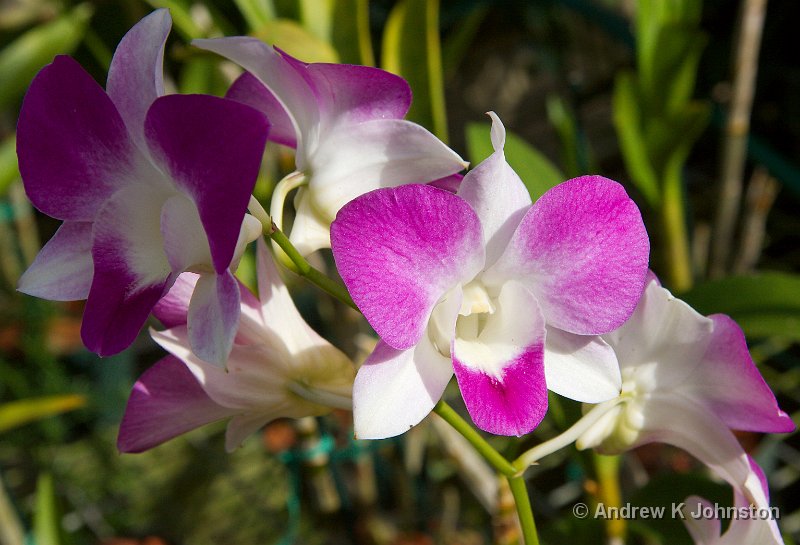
{"type": "Point", "coordinates": [257, 375]}
{"type": "Point", "coordinates": [217, 166]}
{"type": "Point", "coordinates": [448, 183]}
{"type": "Point", "coordinates": [582, 249]}
{"type": "Point", "coordinates": [242, 426]}
{"type": "Point", "coordinates": [373, 154]}
{"type": "Point", "coordinates": [63, 269]}
{"type": "Point", "coordinates": [86, 152]}
{"type": "Point", "coordinates": [165, 402]}
{"type": "Point", "coordinates": [172, 310]}
{"type": "Point", "coordinates": [500, 370]}
{"type": "Point", "coordinates": [136, 74]}
{"type": "Point", "coordinates": [395, 389]}
{"type": "Point", "coordinates": [352, 94]}
{"type": "Point", "coordinates": [250, 379]}
{"type": "Point", "coordinates": [180, 223]}
{"type": "Point", "coordinates": [731, 384]}
{"type": "Point", "coordinates": [249, 90]}
{"type": "Point", "coordinates": [399, 250]}
{"type": "Point", "coordinates": [497, 195]}
{"type": "Point", "coordinates": [131, 272]}
{"type": "Point", "coordinates": [581, 368]}
{"type": "Point", "coordinates": [214, 316]}
{"type": "Point", "coordinates": [282, 79]}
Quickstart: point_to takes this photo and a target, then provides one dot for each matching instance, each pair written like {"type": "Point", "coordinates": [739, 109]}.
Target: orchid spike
{"type": "Point", "coordinates": [506, 294]}
{"type": "Point", "coordinates": [279, 367]}
{"type": "Point", "coordinates": [749, 523]}
{"type": "Point", "coordinates": [687, 380]}
{"type": "Point", "coordinates": [346, 124]}
{"type": "Point", "coordinates": [148, 186]}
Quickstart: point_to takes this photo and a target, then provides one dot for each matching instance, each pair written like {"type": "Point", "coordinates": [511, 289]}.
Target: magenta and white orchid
{"type": "Point", "coordinates": [480, 283]}
{"type": "Point", "coordinates": [148, 186]}
{"type": "Point", "coordinates": [346, 123]}
{"type": "Point", "coordinates": [279, 367]}
{"type": "Point", "coordinates": [749, 522]}
{"type": "Point", "coordinates": [687, 380]}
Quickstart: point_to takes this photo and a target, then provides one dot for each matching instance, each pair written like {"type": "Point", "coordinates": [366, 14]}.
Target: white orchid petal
{"type": "Point", "coordinates": [581, 368]}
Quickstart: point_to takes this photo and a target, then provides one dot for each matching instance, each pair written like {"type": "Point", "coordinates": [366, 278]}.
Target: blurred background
{"type": "Point", "coordinates": [694, 112]}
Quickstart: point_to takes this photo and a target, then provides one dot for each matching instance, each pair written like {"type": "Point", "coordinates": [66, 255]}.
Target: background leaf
{"type": "Point", "coordinates": [17, 413]}
{"type": "Point", "coordinates": [350, 35]}
{"type": "Point", "coordinates": [411, 49]}
{"type": "Point", "coordinates": [46, 526]}
{"type": "Point", "coordinates": [765, 304]}
{"type": "Point", "coordinates": [297, 41]}
{"type": "Point", "coordinates": [25, 56]}
{"type": "Point", "coordinates": [628, 122]}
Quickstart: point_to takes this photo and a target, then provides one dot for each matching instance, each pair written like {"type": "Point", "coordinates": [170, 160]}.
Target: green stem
{"type": "Point", "coordinates": [515, 480]}
{"type": "Point", "coordinates": [476, 439]}
{"type": "Point", "coordinates": [279, 194]}
{"type": "Point", "coordinates": [572, 434]}
{"type": "Point", "coordinates": [524, 511]}
{"type": "Point", "coordinates": [609, 493]}
{"type": "Point", "coordinates": [308, 272]}
{"type": "Point", "coordinates": [676, 239]}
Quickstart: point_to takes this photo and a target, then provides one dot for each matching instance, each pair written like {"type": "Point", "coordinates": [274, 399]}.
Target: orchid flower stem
{"type": "Point", "coordinates": [476, 439]}
{"type": "Point", "coordinates": [498, 461]}
{"type": "Point", "coordinates": [304, 269]}
{"type": "Point", "coordinates": [282, 189]}
{"type": "Point", "coordinates": [524, 511]}
{"type": "Point", "coordinates": [571, 435]}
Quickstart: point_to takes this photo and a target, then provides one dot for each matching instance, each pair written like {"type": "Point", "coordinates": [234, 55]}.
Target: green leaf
{"type": "Point", "coordinates": [576, 157]}
{"type": "Point", "coordinates": [17, 413]}
{"type": "Point", "coordinates": [628, 122]}
{"type": "Point", "coordinates": [538, 173]}
{"type": "Point", "coordinates": [9, 168]}
{"type": "Point", "coordinates": [764, 305]}
{"type": "Point", "coordinates": [46, 525]}
{"type": "Point", "coordinates": [458, 40]}
{"type": "Point", "coordinates": [182, 20]}
{"type": "Point", "coordinates": [256, 13]}
{"type": "Point", "coordinates": [201, 75]}
{"type": "Point", "coordinates": [350, 34]}
{"type": "Point", "coordinates": [316, 16]}
{"type": "Point", "coordinates": [24, 57]}
{"type": "Point", "coordinates": [652, 17]}
{"type": "Point", "coordinates": [297, 41]}
{"type": "Point", "coordinates": [672, 81]}
{"type": "Point", "coordinates": [412, 49]}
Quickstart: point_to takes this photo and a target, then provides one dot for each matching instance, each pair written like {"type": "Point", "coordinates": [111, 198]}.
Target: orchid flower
{"type": "Point", "coordinates": [750, 524]}
{"type": "Point", "coordinates": [346, 124]}
{"type": "Point", "coordinates": [148, 186]}
{"type": "Point", "coordinates": [687, 380]}
{"type": "Point", "coordinates": [480, 283]}
{"type": "Point", "coordinates": [279, 367]}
